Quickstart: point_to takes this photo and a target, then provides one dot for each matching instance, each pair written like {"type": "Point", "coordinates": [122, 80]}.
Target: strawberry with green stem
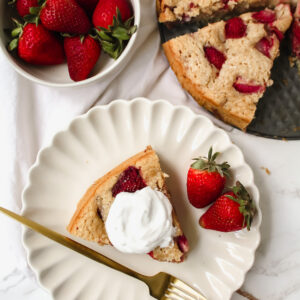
{"type": "Point", "coordinates": [206, 179]}
{"type": "Point", "coordinates": [234, 210]}
{"type": "Point", "coordinates": [65, 16]}
{"type": "Point", "coordinates": [82, 53]}
{"type": "Point", "coordinates": [36, 45]}
{"type": "Point", "coordinates": [113, 25]}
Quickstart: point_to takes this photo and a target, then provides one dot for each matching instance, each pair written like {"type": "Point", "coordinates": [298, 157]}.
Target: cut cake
{"type": "Point", "coordinates": [226, 66]}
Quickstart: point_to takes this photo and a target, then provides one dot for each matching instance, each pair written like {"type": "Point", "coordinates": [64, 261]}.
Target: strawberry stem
{"type": "Point", "coordinates": [114, 39]}
{"type": "Point", "coordinates": [247, 206]}
{"type": "Point", "coordinates": [209, 164]}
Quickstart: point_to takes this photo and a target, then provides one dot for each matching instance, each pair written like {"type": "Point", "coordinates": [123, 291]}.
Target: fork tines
{"type": "Point", "coordinates": [178, 290]}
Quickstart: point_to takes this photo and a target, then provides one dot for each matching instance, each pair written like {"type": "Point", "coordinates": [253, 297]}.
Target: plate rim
{"type": "Point", "coordinates": [107, 107]}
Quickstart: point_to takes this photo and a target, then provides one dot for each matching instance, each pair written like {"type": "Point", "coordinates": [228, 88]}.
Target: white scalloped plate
{"type": "Point", "coordinates": [92, 145]}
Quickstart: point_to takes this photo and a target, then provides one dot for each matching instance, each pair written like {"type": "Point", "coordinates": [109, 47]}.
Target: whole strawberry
{"type": "Point", "coordinates": [206, 179]}
{"type": "Point", "coordinates": [23, 6]}
{"type": "Point", "coordinates": [82, 54]}
{"type": "Point", "coordinates": [106, 10]}
{"type": "Point", "coordinates": [36, 45]}
{"type": "Point", "coordinates": [232, 211]}
{"type": "Point", "coordinates": [113, 21]}
{"type": "Point", "coordinates": [65, 16]}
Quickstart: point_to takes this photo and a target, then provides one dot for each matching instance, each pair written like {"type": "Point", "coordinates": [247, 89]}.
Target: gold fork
{"type": "Point", "coordinates": [162, 286]}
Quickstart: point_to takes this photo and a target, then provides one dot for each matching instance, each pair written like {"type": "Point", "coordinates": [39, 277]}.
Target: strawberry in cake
{"type": "Point", "coordinates": [226, 66]}
{"type": "Point", "coordinates": [130, 208]}
{"type": "Point", "coordinates": [187, 10]}
{"type": "Point", "coordinates": [295, 37]}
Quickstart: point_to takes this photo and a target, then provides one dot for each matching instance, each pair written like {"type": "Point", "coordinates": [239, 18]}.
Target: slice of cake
{"type": "Point", "coordinates": [226, 66]}
{"type": "Point", "coordinates": [187, 10]}
{"type": "Point", "coordinates": [137, 173]}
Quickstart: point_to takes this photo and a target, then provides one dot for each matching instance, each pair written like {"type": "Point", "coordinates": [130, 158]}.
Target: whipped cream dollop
{"type": "Point", "coordinates": [139, 222]}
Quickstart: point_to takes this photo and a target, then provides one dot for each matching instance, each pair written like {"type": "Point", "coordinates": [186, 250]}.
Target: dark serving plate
{"type": "Point", "coordinates": [278, 111]}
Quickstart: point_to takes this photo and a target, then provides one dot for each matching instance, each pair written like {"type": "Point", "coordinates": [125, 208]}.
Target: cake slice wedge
{"type": "Point", "coordinates": [88, 221]}
{"type": "Point", "coordinates": [226, 66]}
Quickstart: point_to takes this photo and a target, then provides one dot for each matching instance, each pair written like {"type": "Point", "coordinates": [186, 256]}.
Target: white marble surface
{"type": "Point", "coordinates": [276, 271]}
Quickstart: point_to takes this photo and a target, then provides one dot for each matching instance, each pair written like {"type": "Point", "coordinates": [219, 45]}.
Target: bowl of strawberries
{"type": "Point", "coordinates": [67, 43]}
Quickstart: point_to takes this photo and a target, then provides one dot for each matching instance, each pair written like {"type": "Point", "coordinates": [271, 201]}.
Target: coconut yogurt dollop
{"type": "Point", "coordinates": [141, 221]}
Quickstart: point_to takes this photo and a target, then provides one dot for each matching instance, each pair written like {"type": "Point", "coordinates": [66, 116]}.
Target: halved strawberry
{"type": "Point", "coordinates": [264, 16]}
{"type": "Point", "coordinates": [232, 211]}
{"type": "Point", "coordinates": [129, 181]}
{"type": "Point", "coordinates": [214, 56]}
{"type": "Point", "coordinates": [235, 28]}
{"type": "Point", "coordinates": [247, 87]}
{"type": "Point", "coordinates": [206, 179]}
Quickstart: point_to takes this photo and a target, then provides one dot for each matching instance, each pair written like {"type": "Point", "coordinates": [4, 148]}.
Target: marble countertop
{"type": "Point", "coordinates": [276, 271]}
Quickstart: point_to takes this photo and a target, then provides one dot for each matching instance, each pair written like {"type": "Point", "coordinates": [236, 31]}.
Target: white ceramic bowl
{"type": "Point", "coordinates": [58, 76]}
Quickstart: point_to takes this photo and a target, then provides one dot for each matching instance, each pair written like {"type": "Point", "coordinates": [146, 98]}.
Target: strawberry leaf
{"type": "Point", "coordinates": [13, 44]}
{"type": "Point", "coordinates": [114, 39]}
{"type": "Point", "coordinates": [209, 164]}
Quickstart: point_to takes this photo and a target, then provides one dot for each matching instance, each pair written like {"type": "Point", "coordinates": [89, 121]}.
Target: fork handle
{"type": "Point", "coordinates": [69, 243]}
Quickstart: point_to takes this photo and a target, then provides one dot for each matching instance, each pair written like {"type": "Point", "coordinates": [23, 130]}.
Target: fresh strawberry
{"type": "Point", "coordinates": [65, 16]}
{"type": "Point", "coordinates": [265, 45]}
{"type": "Point", "coordinates": [113, 21]}
{"type": "Point", "coordinates": [235, 28]}
{"type": "Point", "coordinates": [106, 10]}
{"type": "Point", "coordinates": [129, 181]}
{"type": "Point", "coordinates": [88, 5]}
{"type": "Point", "coordinates": [232, 211]}
{"type": "Point", "coordinates": [23, 6]}
{"type": "Point", "coordinates": [215, 57]}
{"type": "Point", "coordinates": [36, 45]}
{"type": "Point", "coordinates": [247, 87]}
{"type": "Point", "coordinates": [82, 54]}
{"type": "Point", "coordinates": [264, 16]}
{"type": "Point", "coordinates": [206, 180]}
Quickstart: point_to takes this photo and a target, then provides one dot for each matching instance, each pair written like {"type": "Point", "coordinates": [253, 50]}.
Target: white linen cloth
{"type": "Point", "coordinates": [31, 114]}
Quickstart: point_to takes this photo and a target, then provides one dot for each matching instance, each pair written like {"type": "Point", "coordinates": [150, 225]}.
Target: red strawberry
{"type": "Point", "coordinates": [232, 211]}
{"type": "Point", "coordinates": [23, 6]}
{"type": "Point", "coordinates": [107, 9]}
{"type": "Point", "coordinates": [265, 45]}
{"type": "Point", "coordinates": [37, 45]}
{"type": "Point", "coordinates": [88, 5]}
{"type": "Point", "coordinates": [206, 180]}
{"type": "Point", "coordinates": [129, 181]}
{"type": "Point", "coordinates": [235, 28]}
{"type": "Point", "coordinates": [113, 20]}
{"type": "Point", "coordinates": [264, 16]}
{"type": "Point", "coordinates": [64, 16]}
{"type": "Point", "coordinates": [82, 54]}
{"type": "Point", "coordinates": [247, 87]}
{"type": "Point", "coordinates": [215, 57]}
